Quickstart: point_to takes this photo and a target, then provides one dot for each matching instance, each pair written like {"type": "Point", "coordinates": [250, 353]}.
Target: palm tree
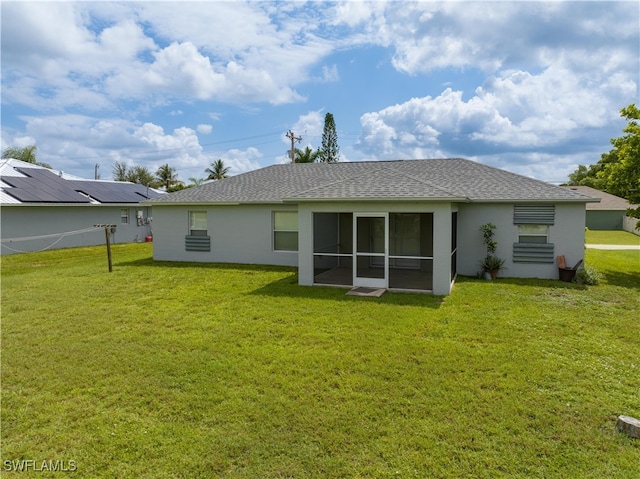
{"type": "Point", "coordinates": [166, 176]}
{"type": "Point", "coordinates": [306, 156]}
{"type": "Point", "coordinates": [217, 171]}
{"type": "Point", "coordinates": [195, 181]}
{"type": "Point", "coordinates": [26, 154]}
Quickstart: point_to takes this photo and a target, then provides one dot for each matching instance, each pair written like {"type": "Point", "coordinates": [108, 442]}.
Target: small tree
{"type": "Point", "coordinates": [142, 176]}
{"type": "Point", "coordinates": [491, 263]}
{"type": "Point", "coordinates": [487, 236]}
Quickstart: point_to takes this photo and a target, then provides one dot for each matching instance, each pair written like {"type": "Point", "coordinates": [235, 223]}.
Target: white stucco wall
{"type": "Point", "coordinates": [239, 234]}
{"type": "Point", "coordinates": [567, 234]}
{"type": "Point", "coordinates": [20, 221]}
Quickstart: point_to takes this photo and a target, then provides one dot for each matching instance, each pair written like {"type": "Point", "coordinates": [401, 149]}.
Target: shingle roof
{"type": "Point", "coordinates": [607, 201]}
{"type": "Point", "coordinates": [442, 179]}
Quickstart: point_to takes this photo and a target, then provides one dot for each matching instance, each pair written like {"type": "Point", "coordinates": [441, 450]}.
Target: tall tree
{"type": "Point", "coordinates": [329, 151]}
{"type": "Point", "coordinates": [26, 154]}
{"type": "Point", "coordinates": [306, 156]}
{"type": "Point", "coordinates": [166, 176]}
{"type": "Point", "coordinates": [618, 171]}
{"type": "Point", "coordinates": [217, 171]}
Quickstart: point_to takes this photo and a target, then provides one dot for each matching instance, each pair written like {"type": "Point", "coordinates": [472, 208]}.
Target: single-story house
{"type": "Point", "coordinates": [47, 209]}
{"type": "Point", "coordinates": [403, 225]}
{"type": "Point", "coordinates": [608, 214]}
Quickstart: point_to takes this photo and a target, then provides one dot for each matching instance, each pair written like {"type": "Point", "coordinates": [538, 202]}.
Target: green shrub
{"type": "Point", "coordinates": [587, 275]}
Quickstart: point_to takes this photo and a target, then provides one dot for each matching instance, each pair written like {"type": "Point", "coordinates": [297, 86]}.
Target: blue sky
{"type": "Point", "coordinates": [535, 88]}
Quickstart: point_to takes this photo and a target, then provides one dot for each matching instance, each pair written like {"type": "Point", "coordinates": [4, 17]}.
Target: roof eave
{"type": "Point", "coordinates": [448, 199]}
{"type": "Point", "coordinates": [534, 200]}
{"type": "Point", "coordinates": [191, 203]}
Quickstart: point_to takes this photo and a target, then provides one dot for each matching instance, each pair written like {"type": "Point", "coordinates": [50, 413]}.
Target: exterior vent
{"type": "Point", "coordinates": [533, 252]}
{"type": "Point", "coordinates": [534, 214]}
{"type": "Point", "coordinates": [197, 243]}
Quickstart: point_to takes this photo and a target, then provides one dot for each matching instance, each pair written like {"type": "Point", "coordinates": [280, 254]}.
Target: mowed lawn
{"type": "Point", "coordinates": [191, 370]}
{"type": "Point", "coordinates": [611, 237]}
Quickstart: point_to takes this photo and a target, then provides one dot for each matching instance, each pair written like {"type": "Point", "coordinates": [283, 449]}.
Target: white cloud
{"type": "Point", "coordinates": [545, 75]}
{"type": "Point", "coordinates": [241, 161]}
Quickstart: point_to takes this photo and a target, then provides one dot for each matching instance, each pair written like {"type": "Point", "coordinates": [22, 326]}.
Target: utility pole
{"type": "Point", "coordinates": [293, 139]}
{"type": "Point", "coordinates": [96, 175]}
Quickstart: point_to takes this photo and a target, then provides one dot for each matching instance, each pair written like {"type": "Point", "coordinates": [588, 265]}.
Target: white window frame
{"type": "Point", "coordinates": [541, 231]}
{"type": "Point", "coordinates": [124, 216]}
{"type": "Point", "coordinates": [197, 219]}
{"type": "Point", "coordinates": [276, 230]}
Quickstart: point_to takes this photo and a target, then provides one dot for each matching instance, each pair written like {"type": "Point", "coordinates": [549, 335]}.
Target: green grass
{"type": "Point", "coordinates": [190, 370]}
{"type": "Point", "coordinates": [611, 237]}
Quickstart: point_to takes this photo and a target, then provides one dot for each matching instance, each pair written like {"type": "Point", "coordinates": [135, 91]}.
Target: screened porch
{"type": "Point", "coordinates": [389, 250]}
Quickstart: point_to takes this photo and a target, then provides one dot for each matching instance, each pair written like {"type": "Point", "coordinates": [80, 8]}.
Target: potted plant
{"type": "Point", "coordinates": [491, 264]}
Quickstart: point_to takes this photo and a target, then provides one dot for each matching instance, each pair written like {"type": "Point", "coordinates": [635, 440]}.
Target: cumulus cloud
{"type": "Point", "coordinates": [75, 143]}
{"type": "Point", "coordinates": [97, 77]}
{"type": "Point", "coordinates": [204, 129]}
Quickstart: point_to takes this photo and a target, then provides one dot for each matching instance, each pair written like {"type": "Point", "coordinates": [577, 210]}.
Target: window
{"type": "Point", "coordinates": [198, 223]}
{"type": "Point", "coordinates": [533, 233]}
{"type": "Point", "coordinates": [285, 230]}
{"type": "Point", "coordinates": [124, 216]}
{"type": "Point", "coordinates": [533, 245]}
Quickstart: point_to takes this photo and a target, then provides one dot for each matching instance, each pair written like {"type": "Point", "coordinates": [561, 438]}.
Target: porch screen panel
{"type": "Point", "coordinates": [454, 245]}
{"type": "Point", "coordinates": [411, 251]}
{"type": "Point", "coordinates": [333, 248]}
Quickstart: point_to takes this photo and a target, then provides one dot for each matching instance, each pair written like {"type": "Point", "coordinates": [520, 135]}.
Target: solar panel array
{"type": "Point", "coordinates": [114, 192]}
{"type": "Point", "coordinates": [43, 186]}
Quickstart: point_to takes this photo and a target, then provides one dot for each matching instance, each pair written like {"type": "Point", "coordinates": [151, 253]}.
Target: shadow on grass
{"type": "Point", "coordinates": [611, 278]}
{"type": "Point", "coordinates": [525, 282]}
{"type": "Point", "coordinates": [150, 262]}
{"type": "Point", "coordinates": [289, 287]}
{"type": "Point", "coordinates": [625, 280]}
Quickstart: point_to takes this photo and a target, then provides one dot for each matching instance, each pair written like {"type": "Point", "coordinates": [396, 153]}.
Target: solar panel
{"type": "Point", "coordinates": [43, 186]}
{"type": "Point", "coordinates": [111, 192]}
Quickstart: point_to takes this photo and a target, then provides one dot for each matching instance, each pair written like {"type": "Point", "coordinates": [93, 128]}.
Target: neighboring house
{"type": "Point", "coordinates": [46, 209]}
{"type": "Point", "coordinates": [404, 225]}
{"type": "Point", "coordinates": [608, 214]}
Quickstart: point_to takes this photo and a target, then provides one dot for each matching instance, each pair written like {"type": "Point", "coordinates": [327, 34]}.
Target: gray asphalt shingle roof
{"type": "Point", "coordinates": [607, 201]}
{"type": "Point", "coordinates": [443, 179]}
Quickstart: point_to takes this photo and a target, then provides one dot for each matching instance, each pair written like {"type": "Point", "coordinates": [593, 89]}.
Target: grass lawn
{"type": "Point", "coordinates": [188, 370]}
{"type": "Point", "coordinates": [611, 237]}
